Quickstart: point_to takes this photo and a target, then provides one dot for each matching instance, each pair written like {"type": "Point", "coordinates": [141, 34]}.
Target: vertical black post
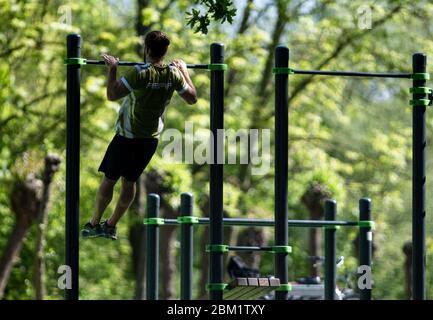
{"type": "Point", "coordinates": [419, 62]}
{"type": "Point", "coordinates": [216, 170]}
{"type": "Point", "coordinates": [152, 268]}
{"type": "Point", "coordinates": [330, 251]}
{"type": "Point", "coordinates": [365, 243]}
{"type": "Point", "coordinates": [281, 167]}
{"type": "Point", "coordinates": [186, 247]}
{"type": "Point", "coordinates": [72, 164]}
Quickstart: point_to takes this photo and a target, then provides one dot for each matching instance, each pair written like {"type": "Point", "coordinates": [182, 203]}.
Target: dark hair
{"type": "Point", "coordinates": [157, 43]}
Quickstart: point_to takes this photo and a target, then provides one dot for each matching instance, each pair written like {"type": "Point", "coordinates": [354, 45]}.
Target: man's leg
{"type": "Point", "coordinates": [103, 199]}
{"type": "Point", "coordinates": [127, 194]}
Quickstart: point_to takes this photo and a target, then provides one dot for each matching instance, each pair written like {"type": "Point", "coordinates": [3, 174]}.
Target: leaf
{"type": "Point", "coordinates": [221, 11]}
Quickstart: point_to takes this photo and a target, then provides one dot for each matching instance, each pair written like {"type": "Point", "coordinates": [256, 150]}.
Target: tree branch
{"type": "Point", "coordinates": [344, 42]}
{"type": "Point", "coordinates": [8, 51]}
{"type": "Point", "coordinates": [24, 107]}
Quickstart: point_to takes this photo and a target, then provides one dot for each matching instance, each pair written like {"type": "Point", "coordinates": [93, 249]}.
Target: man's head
{"type": "Point", "coordinates": [156, 44]}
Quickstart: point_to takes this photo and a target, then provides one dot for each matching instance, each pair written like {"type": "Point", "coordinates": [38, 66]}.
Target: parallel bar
{"type": "Point", "coordinates": [216, 272]}
{"type": "Point", "coordinates": [419, 63]}
{"type": "Point", "coordinates": [365, 245]}
{"type": "Point", "coordinates": [321, 223]}
{"type": "Point", "coordinates": [152, 268]}
{"type": "Point", "coordinates": [330, 251]}
{"type": "Point", "coordinates": [132, 63]}
{"type": "Point", "coordinates": [250, 248]}
{"type": "Point", "coordinates": [281, 167]}
{"type": "Point", "coordinates": [354, 74]}
{"type": "Point", "coordinates": [72, 164]}
{"type": "Point", "coordinates": [186, 247]}
{"type": "Point", "coordinates": [271, 222]}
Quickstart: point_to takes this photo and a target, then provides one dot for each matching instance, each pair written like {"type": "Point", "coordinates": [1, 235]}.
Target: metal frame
{"type": "Point", "coordinates": [187, 250]}
{"type": "Point", "coordinates": [419, 104]}
{"type": "Point", "coordinates": [73, 44]}
{"type": "Point", "coordinates": [216, 220]}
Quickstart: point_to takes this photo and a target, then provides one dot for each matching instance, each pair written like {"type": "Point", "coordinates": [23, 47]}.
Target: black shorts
{"type": "Point", "coordinates": [126, 157]}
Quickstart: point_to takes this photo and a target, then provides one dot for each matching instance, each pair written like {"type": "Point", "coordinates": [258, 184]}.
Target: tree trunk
{"type": "Point", "coordinates": [262, 92]}
{"type": "Point", "coordinates": [243, 27]}
{"type": "Point", "coordinates": [39, 273]}
{"type": "Point", "coordinates": [25, 202]}
{"type": "Point", "coordinates": [11, 252]}
{"type": "Point", "coordinates": [407, 250]}
{"type": "Point", "coordinates": [313, 199]}
{"type": "Point", "coordinates": [140, 28]}
{"type": "Point", "coordinates": [137, 240]}
{"type": "Point", "coordinates": [314, 249]}
{"type": "Point", "coordinates": [52, 163]}
{"type": "Point", "coordinates": [251, 236]}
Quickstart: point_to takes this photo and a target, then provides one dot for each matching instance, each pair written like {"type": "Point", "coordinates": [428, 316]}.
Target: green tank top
{"type": "Point", "coordinates": [151, 87]}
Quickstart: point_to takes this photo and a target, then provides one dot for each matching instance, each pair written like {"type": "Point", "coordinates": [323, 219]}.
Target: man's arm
{"type": "Point", "coordinates": [115, 88]}
{"type": "Point", "coordinates": [190, 95]}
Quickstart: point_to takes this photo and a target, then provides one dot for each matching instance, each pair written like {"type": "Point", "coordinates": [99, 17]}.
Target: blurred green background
{"type": "Point", "coordinates": [348, 137]}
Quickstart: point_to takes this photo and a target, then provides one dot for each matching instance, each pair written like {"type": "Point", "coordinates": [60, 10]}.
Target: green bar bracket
{"type": "Point", "coordinates": [217, 248]}
{"type": "Point", "coordinates": [282, 70]}
{"type": "Point", "coordinates": [153, 221]}
{"type": "Point", "coordinates": [217, 67]}
{"type": "Point", "coordinates": [331, 227]}
{"type": "Point", "coordinates": [216, 286]}
{"type": "Point", "coordinates": [281, 249]}
{"type": "Point", "coordinates": [284, 287]}
{"type": "Point", "coordinates": [420, 102]}
{"type": "Point", "coordinates": [187, 220]}
{"type": "Point", "coordinates": [75, 61]}
{"type": "Point", "coordinates": [421, 76]}
{"type": "Point", "coordinates": [420, 90]}
{"type": "Point", "coordinates": [366, 224]}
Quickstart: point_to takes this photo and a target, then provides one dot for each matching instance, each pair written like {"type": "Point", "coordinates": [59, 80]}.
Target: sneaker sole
{"type": "Point", "coordinates": [109, 237]}
{"type": "Point", "coordinates": [91, 236]}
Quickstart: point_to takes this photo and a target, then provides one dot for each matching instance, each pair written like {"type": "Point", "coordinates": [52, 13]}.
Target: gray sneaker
{"type": "Point", "coordinates": [109, 231]}
{"type": "Point", "coordinates": [92, 231]}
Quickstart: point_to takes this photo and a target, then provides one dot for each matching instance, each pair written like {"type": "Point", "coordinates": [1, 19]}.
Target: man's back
{"type": "Point", "coordinates": [151, 87]}
{"type": "Point", "coordinates": [147, 91]}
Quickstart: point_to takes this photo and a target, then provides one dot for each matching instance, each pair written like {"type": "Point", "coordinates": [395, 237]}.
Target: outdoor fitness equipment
{"type": "Point", "coordinates": [422, 97]}
{"type": "Point", "coordinates": [74, 62]}
{"type": "Point", "coordinates": [249, 288]}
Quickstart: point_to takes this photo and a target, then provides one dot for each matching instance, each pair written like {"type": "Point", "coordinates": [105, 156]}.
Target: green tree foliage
{"type": "Point", "coordinates": [217, 10]}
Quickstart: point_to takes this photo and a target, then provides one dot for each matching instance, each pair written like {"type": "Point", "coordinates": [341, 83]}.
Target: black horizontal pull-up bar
{"type": "Point", "coordinates": [354, 74]}
{"type": "Point", "coordinates": [401, 75]}
{"type": "Point", "coordinates": [83, 61]}
{"type": "Point", "coordinates": [132, 63]}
